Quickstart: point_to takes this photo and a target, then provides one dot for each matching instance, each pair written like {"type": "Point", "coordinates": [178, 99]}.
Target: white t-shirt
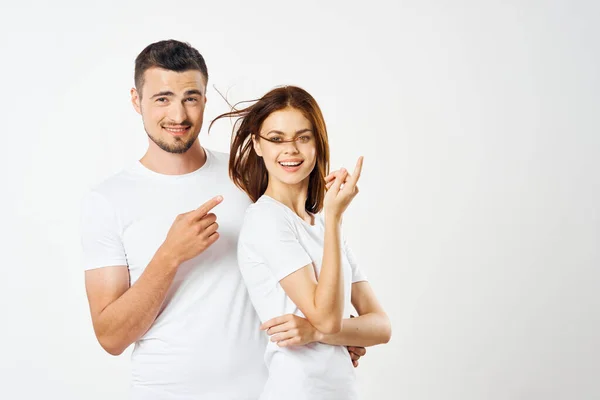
{"type": "Point", "coordinates": [205, 342]}
{"type": "Point", "coordinates": [274, 242]}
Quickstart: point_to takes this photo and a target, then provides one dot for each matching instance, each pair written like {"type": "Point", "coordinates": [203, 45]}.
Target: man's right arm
{"type": "Point", "coordinates": [122, 314]}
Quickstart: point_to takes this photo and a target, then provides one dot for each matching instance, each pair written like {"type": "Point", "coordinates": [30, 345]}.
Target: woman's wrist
{"type": "Point", "coordinates": [332, 217]}
{"type": "Point", "coordinates": [318, 336]}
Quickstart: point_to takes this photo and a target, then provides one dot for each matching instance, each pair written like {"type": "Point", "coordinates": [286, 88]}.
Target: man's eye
{"type": "Point", "coordinates": [162, 100]}
{"type": "Point", "coordinates": [191, 99]}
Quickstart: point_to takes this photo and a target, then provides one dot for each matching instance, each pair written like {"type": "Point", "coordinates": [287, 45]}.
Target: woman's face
{"type": "Point", "coordinates": [287, 146]}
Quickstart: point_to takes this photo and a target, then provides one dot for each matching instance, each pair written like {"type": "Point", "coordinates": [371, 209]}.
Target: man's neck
{"type": "Point", "coordinates": [166, 163]}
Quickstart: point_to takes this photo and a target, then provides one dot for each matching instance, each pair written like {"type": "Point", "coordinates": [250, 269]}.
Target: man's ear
{"type": "Point", "coordinates": [256, 145]}
{"type": "Point", "coordinates": [136, 100]}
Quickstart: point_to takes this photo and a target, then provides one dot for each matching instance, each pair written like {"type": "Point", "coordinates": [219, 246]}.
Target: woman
{"type": "Point", "coordinates": [290, 250]}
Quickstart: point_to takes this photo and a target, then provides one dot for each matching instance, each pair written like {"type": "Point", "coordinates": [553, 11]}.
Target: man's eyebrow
{"type": "Point", "coordinates": [161, 94]}
{"type": "Point", "coordinates": [169, 93]}
{"type": "Point", "coordinates": [193, 91]}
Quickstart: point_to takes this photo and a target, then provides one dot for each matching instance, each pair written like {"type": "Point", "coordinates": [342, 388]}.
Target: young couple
{"type": "Point", "coordinates": [196, 288]}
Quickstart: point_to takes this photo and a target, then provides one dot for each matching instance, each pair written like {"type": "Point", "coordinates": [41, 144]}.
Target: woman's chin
{"type": "Point", "coordinates": [293, 180]}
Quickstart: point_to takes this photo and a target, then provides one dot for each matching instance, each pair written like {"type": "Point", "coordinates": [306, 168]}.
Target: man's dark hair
{"type": "Point", "coordinates": [172, 55]}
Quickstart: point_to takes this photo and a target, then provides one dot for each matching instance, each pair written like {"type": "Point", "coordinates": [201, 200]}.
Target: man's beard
{"type": "Point", "coordinates": [179, 147]}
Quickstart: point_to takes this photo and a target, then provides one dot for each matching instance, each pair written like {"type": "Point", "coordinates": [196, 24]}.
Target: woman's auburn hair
{"type": "Point", "coordinates": [247, 169]}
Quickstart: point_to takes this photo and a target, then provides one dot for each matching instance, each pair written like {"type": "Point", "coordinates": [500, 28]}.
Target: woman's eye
{"type": "Point", "coordinates": [304, 139]}
{"type": "Point", "coordinates": [275, 139]}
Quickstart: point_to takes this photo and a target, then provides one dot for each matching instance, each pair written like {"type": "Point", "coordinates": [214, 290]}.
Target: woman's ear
{"type": "Point", "coordinates": [256, 145]}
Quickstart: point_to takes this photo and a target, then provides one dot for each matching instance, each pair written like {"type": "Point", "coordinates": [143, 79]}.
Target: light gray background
{"type": "Point", "coordinates": [478, 218]}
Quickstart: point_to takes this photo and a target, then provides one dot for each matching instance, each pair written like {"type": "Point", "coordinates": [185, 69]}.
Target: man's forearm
{"type": "Point", "coordinates": [127, 318]}
{"type": "Point", "coordinates": [365, 330]}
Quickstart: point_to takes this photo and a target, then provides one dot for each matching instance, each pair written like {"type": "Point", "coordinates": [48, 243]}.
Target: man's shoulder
{"type": "Point", "coordinates": [115, 182]}
{"type": "Point", "coordinates": [113, 187]}
{"type": "Point", "coordinates": [219, 157]}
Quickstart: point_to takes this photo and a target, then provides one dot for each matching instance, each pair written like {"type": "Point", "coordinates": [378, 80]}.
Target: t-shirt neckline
{"type": "Point", "coordinates": [314, 216]}
{"type": "Point", "coordinates": [142, 169]}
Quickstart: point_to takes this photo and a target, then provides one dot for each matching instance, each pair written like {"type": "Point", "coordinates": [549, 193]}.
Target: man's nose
{"type": "Point", "coordinates": [177, 113]}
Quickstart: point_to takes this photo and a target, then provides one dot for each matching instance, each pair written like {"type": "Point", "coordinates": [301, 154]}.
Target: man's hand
{"type": "Point", "coordinates": [193, 232]}
{"type": "Point", "coordinates": [356, 353]}
{"type": "Point", "coordinates": [290, 330]}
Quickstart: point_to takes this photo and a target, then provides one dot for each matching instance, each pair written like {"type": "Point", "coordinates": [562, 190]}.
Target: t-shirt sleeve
{"type": "Point", "coordinates": [269, 237]}
{"type": "Point", "coordinates": [357, 274]}
{"type": "Point", "coordinates": [100, 233]}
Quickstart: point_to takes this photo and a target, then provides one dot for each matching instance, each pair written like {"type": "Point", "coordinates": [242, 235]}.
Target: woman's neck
{"type": "Point", "coordinates": [292, 196]}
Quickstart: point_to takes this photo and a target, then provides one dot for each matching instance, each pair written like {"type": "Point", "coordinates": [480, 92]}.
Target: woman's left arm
{"type": "Point", "coordinates": [371, 327]}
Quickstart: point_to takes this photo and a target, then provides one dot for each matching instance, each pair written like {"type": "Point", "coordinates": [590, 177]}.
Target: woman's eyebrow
{"type": "Point", "coordinates": [297, 132]}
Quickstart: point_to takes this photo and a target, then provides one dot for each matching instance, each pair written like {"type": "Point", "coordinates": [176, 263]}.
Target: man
{"type": "Point", "coordinates": [160, 271]}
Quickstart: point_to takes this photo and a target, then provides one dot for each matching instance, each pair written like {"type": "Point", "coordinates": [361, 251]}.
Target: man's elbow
{"type": "Point", "coordinates": [110, 346]}
{"type": "Point", "coordinates": [387, 331]}
{"type": "Point", "coordinates": [113, 351]}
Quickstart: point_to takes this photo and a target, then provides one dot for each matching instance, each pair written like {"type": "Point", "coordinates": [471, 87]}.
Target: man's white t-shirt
{"type": "Point", "coordinates": [205, 342]}
{"type": "Point", "coordinates": [273, 243]}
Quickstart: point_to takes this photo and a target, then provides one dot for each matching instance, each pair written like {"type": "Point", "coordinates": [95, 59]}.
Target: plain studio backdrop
{"type": "Point", "coordinates": [478, 219]}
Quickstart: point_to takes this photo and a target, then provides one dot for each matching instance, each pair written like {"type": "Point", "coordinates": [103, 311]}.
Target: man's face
{"type": "Point", "coordinates": [172, 107]}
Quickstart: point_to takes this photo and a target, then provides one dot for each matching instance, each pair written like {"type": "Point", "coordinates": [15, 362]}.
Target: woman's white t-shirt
{"type": "Point", "coordinates": [273, 243]}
